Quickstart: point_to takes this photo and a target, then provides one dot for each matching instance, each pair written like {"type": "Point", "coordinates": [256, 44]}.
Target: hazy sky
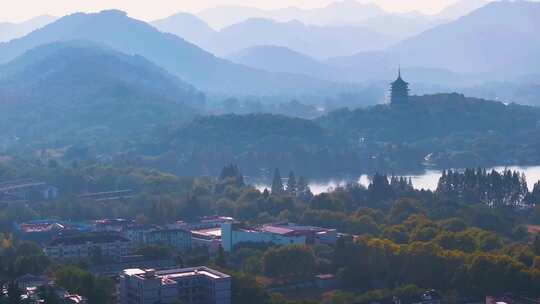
{"type": "Point", "coordinates": [18, 10]}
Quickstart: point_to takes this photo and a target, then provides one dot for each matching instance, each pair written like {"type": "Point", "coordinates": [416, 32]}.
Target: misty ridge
{"type": "Point", "coordinates": [335, 155]}
{"type": "Point", "coordinates": [121, 87]}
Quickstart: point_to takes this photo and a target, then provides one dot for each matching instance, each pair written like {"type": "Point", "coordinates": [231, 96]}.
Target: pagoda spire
{"type": "Point", "coordinates": [399, 90]}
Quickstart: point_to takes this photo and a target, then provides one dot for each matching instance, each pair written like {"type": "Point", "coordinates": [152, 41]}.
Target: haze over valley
{"type": "Point", "coordinates": [281, 152]}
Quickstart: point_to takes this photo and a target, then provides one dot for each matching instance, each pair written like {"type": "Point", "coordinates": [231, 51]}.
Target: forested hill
{"type": "Point", "coordinates": [434, 116]}
{"type": "Point", "coordinates": [445, 130]}
{"type": "Point", "coordinates": [442, 131]}
{"type": "Point", "coordinates": [257, 142]}
{"type": "Point", "coordinates": [66, 92]}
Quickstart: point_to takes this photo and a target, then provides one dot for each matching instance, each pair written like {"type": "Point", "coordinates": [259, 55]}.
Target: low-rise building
{"type": "Point", "coordinates": [111, 225]}
{"type": "Point", "coordinates": [200, 285]}
{"type": "Point", "coordinates": [206, 231]}
{"type": "Point", "coordinates": [42, 231]}
{"type": "Point", "coordinates": [177, 238]}
{"type": "Point", "coordinates": [209, 238]}
{"type": "Point", "coordinates": [102, 245]}
{"type": "Point", "coordinates": [27, 190]}
{"type": "Point", "coordinates": [278, 234]}
{"type": "Point", "coordinates": [207, 222]}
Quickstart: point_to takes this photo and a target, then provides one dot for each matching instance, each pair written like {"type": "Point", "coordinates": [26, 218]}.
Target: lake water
{"type": "Point", "coordinates": [428, 180]}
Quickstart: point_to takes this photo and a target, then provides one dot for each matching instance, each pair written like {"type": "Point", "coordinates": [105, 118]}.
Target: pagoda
{"type": "Point", "coordinates": [399, 92]}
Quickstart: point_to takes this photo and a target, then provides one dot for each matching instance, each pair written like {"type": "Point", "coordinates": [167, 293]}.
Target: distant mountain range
{"type": "Point", "coordinates": [186, 26]}
{"type": "Point", "coordinates": [378, 67]}
{"type": "Point", "coordinates": [353, 29]}
{"type": "Point", "coordinates": [286, 60]}
{"type": "Point", "coordinates": [283, 60]}
{"type": "Point", "coordinates": [79, 87]}
{"type": "Point", "coordinates": [501, 37]}
{"type": "Point", "coordinates": [186, 60]}
{"type": "Point", "coordinates": [337, 13]}
{"type": "Point", "coordinates": [460, 9]}
{"type": "Point", "coordinates": [316, 41]}
{"type": "Point", "coordinates": [9, 31]}
{"type": "Point", "coordinates": [476, 48]}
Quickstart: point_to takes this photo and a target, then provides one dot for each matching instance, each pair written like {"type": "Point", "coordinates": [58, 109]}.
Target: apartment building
{"type": "Point", "coordinates": [199, 285]}
{"type": "Point", "coordinates": [108, 246]}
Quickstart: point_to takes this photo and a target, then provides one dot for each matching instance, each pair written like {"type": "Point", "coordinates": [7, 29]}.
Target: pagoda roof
{"type": "Point", "coordinates": [399, 80]}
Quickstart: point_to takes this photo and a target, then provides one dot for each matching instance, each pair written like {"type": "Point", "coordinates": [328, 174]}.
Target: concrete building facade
{"type": "Point", "coordinates": [277, 234]}
{"type": "Point", "coordinates": [88, 245]}
{"type": "Point", "coordinates": [177, 238]}
{"type": "Point", "coordinates": [199, 285]}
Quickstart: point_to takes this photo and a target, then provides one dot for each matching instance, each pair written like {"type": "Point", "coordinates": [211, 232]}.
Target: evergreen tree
{"type": "Point", "coordinates": [534, 196]}
{"type": "Point", "coordinates": [277, 184]}
{"type": "Point", "coordinates": [380, 189]}
{"type": "Point", "coordinates": [504, 188]}
{"type": "Point", "coordinates": [302, 189]}
{"type": "Point", "coordinates": [291, 184]}
{"type": "Point", "coordinates": [231, 172]}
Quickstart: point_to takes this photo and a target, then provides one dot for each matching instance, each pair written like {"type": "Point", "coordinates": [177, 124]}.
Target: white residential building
{"type": "Point", "coordinates": [177, 238]}
{"type": "Point", "coordinates": [278, 234]}
{"type": "Point", "coordinates": [88, 245]}
{"type": "Point", "coordinates": [199, 285]}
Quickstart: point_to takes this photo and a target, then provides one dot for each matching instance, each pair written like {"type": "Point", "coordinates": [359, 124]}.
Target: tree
{"type": "Point", "coordinates": [48, 295]}
{"type": "Point", "coordinates": [402, 209]}
{"type": "Point", "coordinates": [98, 290]}
{"type": "Point", "coordinates": [28, 248]}
{"type": "Point", "coordinates": [379, 189]}
{"type": "Point", "coordinates": [246, 290]}
{"type": "Point", "coordinates": [534, 196]}
{"type": "Point", "coordinates": [291, 184]}
{"type": "Point", "coordinates": [221, 259]}
{"type": "Point", "coordinates": [14, 293]}
{"type": "Point", "coordinates": [231, 172]}
{"type": "Point", "coordinates": [277, 183]}
{"type": "Point", "coordinates": [295, 260]}
{"type": "Point", "coordinates": [302, 189]}
{"type": "Point", "coordinates": [536, 244]}
{"type": "Point", "coordinates": [326, 201]}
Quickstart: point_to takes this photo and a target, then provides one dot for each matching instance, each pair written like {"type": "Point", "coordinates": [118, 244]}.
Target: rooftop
{"type": "Point", "coordinates": [210, 232]}
{"type": "Point", "coordinates": [292, 229]}
{"type": "Point", "coordinates": [176, 273]}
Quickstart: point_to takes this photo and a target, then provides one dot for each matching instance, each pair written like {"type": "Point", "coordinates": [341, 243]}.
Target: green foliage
{"type": "Point", "coordinates": [291, 184]}
{"type": "Point", "coordinates": [246, 290]}
{"type": "Point", "coordinates": [536, 244]}
{"type": "Point", "coordinates": [13, 293]}
{"type": "Point", "coordinates": [277, 184]}
{"type": "Point", "coordinates": [292, 260]}
{"type": "Point", "coordinates": [493, 188]}
{"type": "Point", "coordinates": [48, 294]}
{"type": "Point", "coordinates": [96, 289]}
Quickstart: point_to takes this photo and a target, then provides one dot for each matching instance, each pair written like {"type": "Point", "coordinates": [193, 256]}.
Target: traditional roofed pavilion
{"type": "Point", "coordinates": [399, 90]}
